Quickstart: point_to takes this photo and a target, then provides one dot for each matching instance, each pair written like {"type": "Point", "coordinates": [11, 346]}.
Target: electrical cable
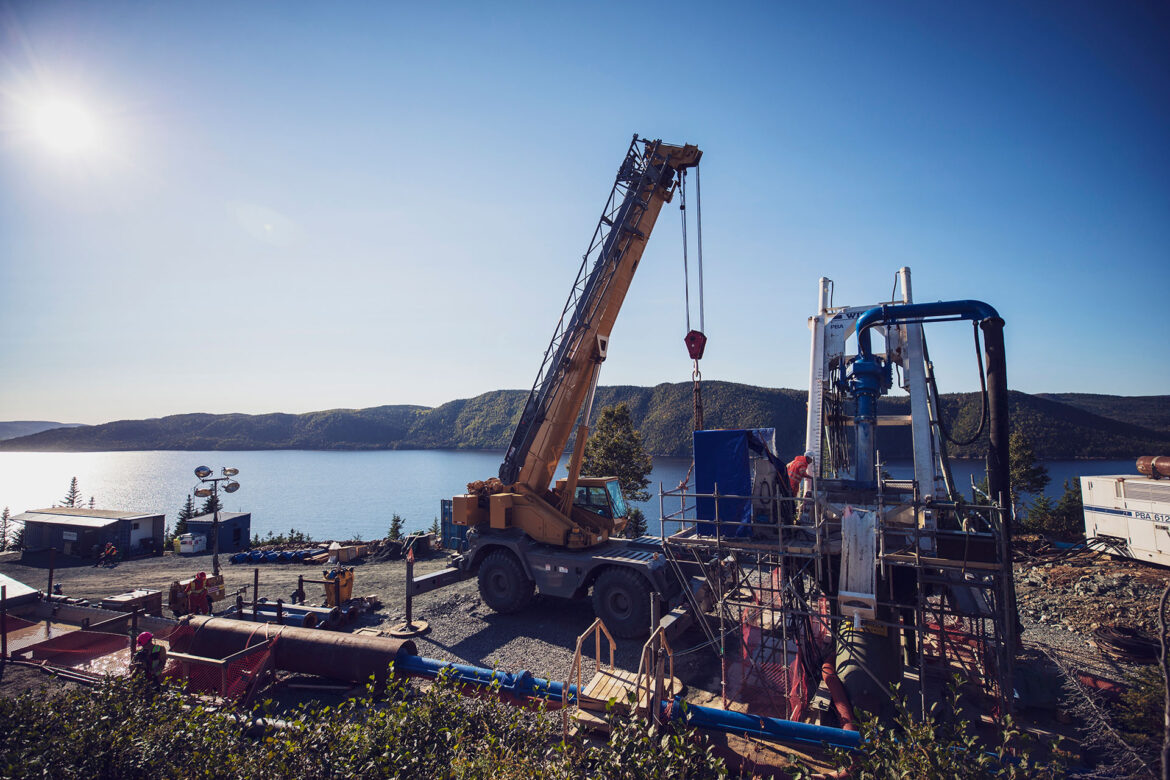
{"type": "Point", "coordinates": [934, 407]}
{"type": "Point", "coordinates": [983, 406]}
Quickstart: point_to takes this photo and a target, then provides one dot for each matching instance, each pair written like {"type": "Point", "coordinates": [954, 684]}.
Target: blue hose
{"type": "Point", "coordinates": [524, 685]}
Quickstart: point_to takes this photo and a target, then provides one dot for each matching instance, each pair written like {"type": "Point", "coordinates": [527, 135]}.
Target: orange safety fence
{"type": "Point", "coordinates": [94, 652]}
{"type": "Point", "coordinates": [957, 642]}
{"type": "Point", "coordinates": [762, 677]}
{"type": "Point", "coordinates": [232, 680]}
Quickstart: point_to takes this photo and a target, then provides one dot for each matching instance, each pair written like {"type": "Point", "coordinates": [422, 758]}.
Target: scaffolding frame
{"type": "Point", "coordinates": [782, 580]}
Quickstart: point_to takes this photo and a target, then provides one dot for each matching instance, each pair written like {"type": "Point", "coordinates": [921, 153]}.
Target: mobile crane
{"type": "Point", "coordinates": [524, 536]}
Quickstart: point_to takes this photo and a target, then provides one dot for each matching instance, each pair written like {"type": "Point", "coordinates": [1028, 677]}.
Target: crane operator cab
{"type": "Point", "coordinates": [602, 496]}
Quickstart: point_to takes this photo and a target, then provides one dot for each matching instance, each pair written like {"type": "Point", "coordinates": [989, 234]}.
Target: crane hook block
{"type": "Point", "coordinates": [696, 342]}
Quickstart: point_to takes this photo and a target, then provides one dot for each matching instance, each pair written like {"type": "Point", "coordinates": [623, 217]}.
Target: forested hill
{"type": "Point", "coordinates": [1061, 426]}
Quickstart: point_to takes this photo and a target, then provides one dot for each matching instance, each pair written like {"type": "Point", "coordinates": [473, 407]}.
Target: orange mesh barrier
{"type": "Point", "coordinates": [760, 677]}
{"type": "Point", "coordinates": [76, 647]}
{"type": "Point", "coordinates": [232, 681]}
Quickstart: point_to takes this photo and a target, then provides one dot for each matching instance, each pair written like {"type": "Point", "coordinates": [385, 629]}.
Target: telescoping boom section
{"type": "Point", "coordinates": [571, 514]}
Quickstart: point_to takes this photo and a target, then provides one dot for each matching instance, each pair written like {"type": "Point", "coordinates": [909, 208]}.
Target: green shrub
{"type": "Point", "coordinates": [292, 537]}
{"type": "Point", "coordinates": [943, 744]}
{"type": "Point", "coordinates": [1140, 712]}
{"type": "Point", "coordinates": [123, 728]}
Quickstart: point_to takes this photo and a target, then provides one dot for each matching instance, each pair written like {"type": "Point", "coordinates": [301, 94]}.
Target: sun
{"type": "Point", "coordinates": [63, 126]}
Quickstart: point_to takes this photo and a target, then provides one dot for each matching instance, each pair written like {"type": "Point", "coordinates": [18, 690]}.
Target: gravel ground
{"type": "Point", "coordinates": [462, 629]}
{"type": "Point", "coordinates": [1060, 602]}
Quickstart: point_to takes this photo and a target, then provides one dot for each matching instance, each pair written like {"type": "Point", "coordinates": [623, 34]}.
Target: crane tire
{"type": "Point", "coordinates": [503, 586]}
{"type": "Point", "coordinates": [621, 598]}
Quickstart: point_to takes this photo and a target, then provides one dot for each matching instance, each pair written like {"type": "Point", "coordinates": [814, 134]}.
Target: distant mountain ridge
{"type": "Point", "coordinates": [1060, 426]}
{"type": "Point", "coordinates": [17, 428]}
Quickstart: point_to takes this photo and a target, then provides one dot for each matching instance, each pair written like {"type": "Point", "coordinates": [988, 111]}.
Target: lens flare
{"type": "Point", "coordinates": [63, 126]}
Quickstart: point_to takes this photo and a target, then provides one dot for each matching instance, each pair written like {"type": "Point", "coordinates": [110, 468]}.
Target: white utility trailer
{"type": "Point", "coordinates": [1133, 511]}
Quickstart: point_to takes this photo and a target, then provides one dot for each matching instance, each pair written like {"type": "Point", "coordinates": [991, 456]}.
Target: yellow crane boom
{"type": "Point", "coordinates": [521, 498]}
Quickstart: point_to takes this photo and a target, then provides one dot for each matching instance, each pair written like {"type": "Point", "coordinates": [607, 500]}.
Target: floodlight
{"type": "Point", "coordinates": [230, 472]}
{"type": "Point", "coordinates": [203, 472]}
{"type": "Point", "coordinates": [202, 492]}
{"type": "Point", "coordinates": [231, 487]}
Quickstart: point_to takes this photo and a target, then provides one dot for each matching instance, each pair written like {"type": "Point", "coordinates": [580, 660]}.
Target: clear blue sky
{"type": "Point", "coordinates": [293, 206]}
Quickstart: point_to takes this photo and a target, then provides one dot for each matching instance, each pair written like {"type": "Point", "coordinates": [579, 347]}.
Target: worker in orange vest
{"type": "Point", "coordinates": [798, 470]}
{"type": "Point", "coordinates": [198, 596]}
{"type": "Point", "coordinates": [109, 554]}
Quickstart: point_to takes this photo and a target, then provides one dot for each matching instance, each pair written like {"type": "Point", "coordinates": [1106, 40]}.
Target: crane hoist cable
{"type": "Point", "coordinates": [695, 340]}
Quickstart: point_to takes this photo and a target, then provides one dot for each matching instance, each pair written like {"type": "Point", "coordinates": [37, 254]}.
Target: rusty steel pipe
{"type": "Point", "coordinates": [1156, 466]}
{"type": "Point", "coordinates": [351, 657]}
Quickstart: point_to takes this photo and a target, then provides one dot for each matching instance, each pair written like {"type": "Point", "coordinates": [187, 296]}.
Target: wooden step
{"type": "Point", "coordinates": [618, 684]}
{"type": "Point", "coordinates": [586, 721]}
{"type": "Point", "coordinates": [608, 684]}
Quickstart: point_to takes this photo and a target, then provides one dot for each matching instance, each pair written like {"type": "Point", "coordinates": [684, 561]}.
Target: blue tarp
{"type": "Point", "coordinates": [723, 461]}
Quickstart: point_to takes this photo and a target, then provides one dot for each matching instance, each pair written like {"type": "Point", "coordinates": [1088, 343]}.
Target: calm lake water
{"type": "Point", "coordinates": [330, 494]}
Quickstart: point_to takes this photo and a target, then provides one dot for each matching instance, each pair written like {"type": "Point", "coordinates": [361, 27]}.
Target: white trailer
{"type": "Point", "coordinates": [1133, 511]}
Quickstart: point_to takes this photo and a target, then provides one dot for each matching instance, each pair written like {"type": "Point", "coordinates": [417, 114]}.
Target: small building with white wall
{"type": "Point", "coordinates": [84, 532]}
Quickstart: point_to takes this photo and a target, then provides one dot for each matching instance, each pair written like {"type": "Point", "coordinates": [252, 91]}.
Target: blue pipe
{"type": "Point", "coordinates": [524, 685]}
{"type": "Point", "coordinates": [869, 377]}
{"type": "Point", "coordinates": [521, 684]}
{"type": "Point", "coordinates": [767, 728]}
{"type": "Point", "coordinates": [901, 312]}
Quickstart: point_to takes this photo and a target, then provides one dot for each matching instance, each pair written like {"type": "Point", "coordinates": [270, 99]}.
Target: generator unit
{"type": "Point", "coordinates": [1133, 512]}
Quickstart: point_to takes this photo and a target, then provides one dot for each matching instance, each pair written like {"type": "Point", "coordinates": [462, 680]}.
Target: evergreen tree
{"type": "Point", "coordinates": [615, 450]}
{"type": "Point", "coordinates": [436, 528]}
{"type": "Point", "coordinates": [185, 513]}
{"type": "Point", "coordinates": [73, 497]}
{"type": "Point", "coordinates": [1025, 473]}
{"type": "Point", "coordinates": [5, 529]}
{"type": "Point", "coordinates": [636, 524]}
{"type": "Point", "coordinates": [395, 527]}
{"type": "Point", "coordinates": [1064, 517]}
{"type": "Point", "coordinates": [1039, 515]}
{"type": "Point", "coordinates": [211, 504]}
{"type": "Point", "coordinates": [1070, 511]}
{"type": "Point", "coordinates": [91, 502]}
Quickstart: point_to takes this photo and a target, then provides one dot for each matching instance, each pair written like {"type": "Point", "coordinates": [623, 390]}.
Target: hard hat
{"type": "Point", "coordinates": [201, 575]}
{"type": "Point", "coordinates": [145, 638]}
{"type": "Point", "coordinates": [809, 454]}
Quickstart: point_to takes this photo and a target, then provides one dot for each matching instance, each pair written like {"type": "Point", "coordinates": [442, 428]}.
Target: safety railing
{"type": "Point", "coordinates": [596, 629]}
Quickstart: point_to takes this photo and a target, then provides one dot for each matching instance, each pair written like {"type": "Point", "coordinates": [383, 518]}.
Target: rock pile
{"type": "Point", "coordinates": [1085, 592]}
